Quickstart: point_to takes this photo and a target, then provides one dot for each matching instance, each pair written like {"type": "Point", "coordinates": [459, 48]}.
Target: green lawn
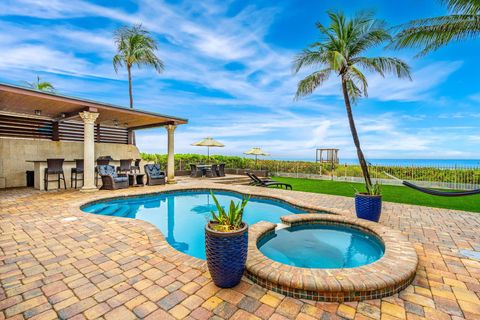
{"type": "Point", "coordinates": [397, 194]}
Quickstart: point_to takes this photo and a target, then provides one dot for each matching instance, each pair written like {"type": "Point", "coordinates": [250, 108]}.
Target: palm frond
{"type": "Point", "coordinates": [359, 79]}
{"type": "Point", "coordinates": [353, 90]}
{"type": "Point", "coordinates": [135, 46]}
{"type": "Point", "coordinates": [311, 82]}
{"type": "Point", "coordinates": [433, 33]}
{"type": "Point", "coordinates": [309, 58]}
{"type": "Point", "coordinates": [383, 65]}
{"type": "Point", "coordinates": [463, 6]}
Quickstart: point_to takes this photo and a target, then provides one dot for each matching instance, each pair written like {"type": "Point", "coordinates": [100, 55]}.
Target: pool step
{"type": "Point", "coordinates": [244, 180]}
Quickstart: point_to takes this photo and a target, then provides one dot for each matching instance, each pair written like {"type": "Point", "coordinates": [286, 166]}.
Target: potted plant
{"type": "Point", "coordinates": [368, 205]}
{"type": "Point", "coordinates": [226, 243]}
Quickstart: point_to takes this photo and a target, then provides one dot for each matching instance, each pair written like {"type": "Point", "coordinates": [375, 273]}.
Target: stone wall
{"type": "Point", "coordinates": [15, 152]}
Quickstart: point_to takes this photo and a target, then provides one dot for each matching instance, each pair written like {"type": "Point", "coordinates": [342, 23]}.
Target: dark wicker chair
{"type": "Point", "coordinates": [76, 171]}
{"type": "Point", "coordinates": [136, 167]}
{"type": "Point", "coordinates": [125, 166]}
{"type": "Point", "coordinates": [212, 171]}
{"type": "Point", "coordinates": [221, 170]}
{"type": "Point", "coordinates": [155, 175]}
{"type": "Point", "coordinates": [54, 166]}
{"type": "Point", "coordinates": [101, 161]}
{"type": "Point", "coordinates": [110, 179]}
{"type": "Point", "coordinates": [195, 172]}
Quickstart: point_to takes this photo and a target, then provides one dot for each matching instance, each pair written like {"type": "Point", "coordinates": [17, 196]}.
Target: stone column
{"type": "Point", "coordinates": [88, 151]}
{"type": "Point", "coordinates": [171, 160]}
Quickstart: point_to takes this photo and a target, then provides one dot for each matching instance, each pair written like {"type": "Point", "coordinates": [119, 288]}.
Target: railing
{"type": "Point", "coordinates": [454, 177]}
{"type": "Point", "coordinates": [445, 177]}
{"type": "Point", "coordinates": [21, 127]}
{"type": "Point", "coordinates": [17, 127]}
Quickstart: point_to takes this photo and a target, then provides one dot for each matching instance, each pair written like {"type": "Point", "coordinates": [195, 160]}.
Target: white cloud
{"type": "Point", "coordinates": [424, 80]}
{"type": "Point", "coordinates": [252, 105]}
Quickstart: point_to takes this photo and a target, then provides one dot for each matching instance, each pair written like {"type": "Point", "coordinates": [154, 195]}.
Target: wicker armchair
{"type": "Point", "coordinates": [155, 175]}
{"type": "Point", "coordinates": [195, 171]}
{"type": "Point", "coordinates": [110, 179]}
{"type": "Point", "coordinates": [221, 170]}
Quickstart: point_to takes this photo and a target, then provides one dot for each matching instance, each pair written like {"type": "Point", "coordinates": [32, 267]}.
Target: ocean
{"type": "Point", "coordinates": [419, 162]}
{"type": "Point", "coordinates": [412, 162]}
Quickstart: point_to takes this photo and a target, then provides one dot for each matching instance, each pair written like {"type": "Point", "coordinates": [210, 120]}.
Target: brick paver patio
{"type": "Point", "coordinates": [57, 262]}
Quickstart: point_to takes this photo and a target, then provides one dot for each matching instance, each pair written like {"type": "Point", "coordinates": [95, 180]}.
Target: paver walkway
{"type": "Point", "coordinates": [57, 262]}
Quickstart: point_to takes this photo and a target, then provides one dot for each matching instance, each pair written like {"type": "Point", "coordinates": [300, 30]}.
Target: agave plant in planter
{"type": "Point", "coordinates": [226, 243]}
{"type": "Point", "coordinates": [368, 205]}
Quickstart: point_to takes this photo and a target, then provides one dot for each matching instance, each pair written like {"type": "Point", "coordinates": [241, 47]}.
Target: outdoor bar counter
{"type": "Point", "coordinates": [39, 167]}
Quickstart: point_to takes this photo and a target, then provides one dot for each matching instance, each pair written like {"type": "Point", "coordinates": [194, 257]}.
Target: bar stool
{"type": "Point", "coordinates": [125, 166]}
{"type": "Point", "coordinates": [54, 166]}
{"type": "Point", "coordinates": [75, 171]}
{"type": "Point", "coordinates": [136, 166]}
{"type": "Point", "coordinates": [100, 162]}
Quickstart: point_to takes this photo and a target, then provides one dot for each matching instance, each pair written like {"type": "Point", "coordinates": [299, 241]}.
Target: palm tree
{"type": "Point", "coordinates": [135, 46]}
{"type": "Point", "coordinates": [41, 85]}
{"type": "Point", "coordinates": [340, 52]}
{"type": "Point", "coordinates": [432, 33]}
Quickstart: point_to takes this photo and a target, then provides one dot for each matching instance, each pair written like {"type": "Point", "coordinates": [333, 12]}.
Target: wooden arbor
{"type": "Point", "coordinates": [327, 156]}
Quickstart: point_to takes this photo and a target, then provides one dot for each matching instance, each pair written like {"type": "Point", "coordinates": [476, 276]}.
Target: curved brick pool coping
{"type": "Point", "coordinates": [156, 237]}
{"type": "Point", "coordinates": [382, 279]}
{"type": "Point", "coordinates": [388, 275]}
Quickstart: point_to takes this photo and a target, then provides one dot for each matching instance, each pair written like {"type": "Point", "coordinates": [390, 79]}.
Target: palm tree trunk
{"type": "Point", "coordinates": [356, 140]}
{"type": "Point", "coordinates": [130, 86]}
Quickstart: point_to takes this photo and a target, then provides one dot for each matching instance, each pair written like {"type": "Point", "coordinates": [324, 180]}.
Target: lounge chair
{"type": "Point", "coordinates": [110, 179]}
{"type": "Point", "coordinates": [256, 181]}
{"type": "Point", "coordinates": [155, 175]}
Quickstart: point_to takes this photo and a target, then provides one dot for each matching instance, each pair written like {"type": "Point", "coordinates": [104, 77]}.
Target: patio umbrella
{"type": "Point", "coordinates": [208, 142]}
{"type": "Point", "coordinates": [256, 152]}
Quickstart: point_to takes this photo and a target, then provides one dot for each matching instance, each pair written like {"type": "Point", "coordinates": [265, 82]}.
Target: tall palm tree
{"type": "Point", "coordinates": [135, 46]}
{"type": "Point", "coordinates": [340, 51]}
{"type": "Point", "coordinates": [432, 33]}
{"type": "Point", "coordinates": [41, 85]}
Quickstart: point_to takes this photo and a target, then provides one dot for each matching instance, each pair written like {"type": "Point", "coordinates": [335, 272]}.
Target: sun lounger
{"type": "Point", "coordinates": [256, 181]}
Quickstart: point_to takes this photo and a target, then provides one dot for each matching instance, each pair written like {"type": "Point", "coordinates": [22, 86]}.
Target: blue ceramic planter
{"type": "Point", "coordinates": [368, 207]}
{"type": "Point", "coordinates": [226, 255]}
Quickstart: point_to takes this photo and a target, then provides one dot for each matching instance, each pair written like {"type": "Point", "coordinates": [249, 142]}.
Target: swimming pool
{"type": "Point", "coordinates": [323, 246]}
{"type": "Point", "coordinates": [182, 215]}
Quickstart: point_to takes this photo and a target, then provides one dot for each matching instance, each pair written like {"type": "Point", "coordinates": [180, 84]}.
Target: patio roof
{"type": "Point", "coordinates": [20, 100]}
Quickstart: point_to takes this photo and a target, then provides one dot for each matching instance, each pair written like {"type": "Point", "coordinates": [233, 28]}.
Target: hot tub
{"type": "Point", "coordinates": [330, 258]}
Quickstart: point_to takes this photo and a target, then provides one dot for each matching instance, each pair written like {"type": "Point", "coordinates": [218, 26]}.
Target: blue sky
{"type": "Point", "coordinates": [228, 70]}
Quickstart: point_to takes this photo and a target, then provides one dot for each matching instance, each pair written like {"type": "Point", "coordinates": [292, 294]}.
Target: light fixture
{"type": "Point", "coordinates": [38, 112]}
{"type": "Point", "coordinates": [115, 123]}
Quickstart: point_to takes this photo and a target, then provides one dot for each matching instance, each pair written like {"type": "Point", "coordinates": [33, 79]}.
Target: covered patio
{"type": "Point", "coordinates": [36, 125]}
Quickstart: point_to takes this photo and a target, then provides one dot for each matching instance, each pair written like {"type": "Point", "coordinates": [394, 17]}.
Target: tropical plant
{"type": "Point", "coordinates": [41, 85]}
{"type": "Point", "coordinates": [231, 220]}
{"type": "Point", "coordinates": [375, 190]}
{"type": "Point", "coordinates": [340, 52]}
{"type": "Point", "coordinates": [432, 33]}
{"type": "Point", "coordinates": [135, 47]}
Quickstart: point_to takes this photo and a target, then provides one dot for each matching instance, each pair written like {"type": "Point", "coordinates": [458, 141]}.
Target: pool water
{"type": "Point", "coordinates": [181, 216]}
{"type": "Point", "coordinates": [321, 246]}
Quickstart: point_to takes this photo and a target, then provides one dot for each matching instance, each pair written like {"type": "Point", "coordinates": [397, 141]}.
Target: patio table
{"type": "Point", "coordinates": [136, 179]}
{"type": "Point", "coordinates": [204, 168]}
